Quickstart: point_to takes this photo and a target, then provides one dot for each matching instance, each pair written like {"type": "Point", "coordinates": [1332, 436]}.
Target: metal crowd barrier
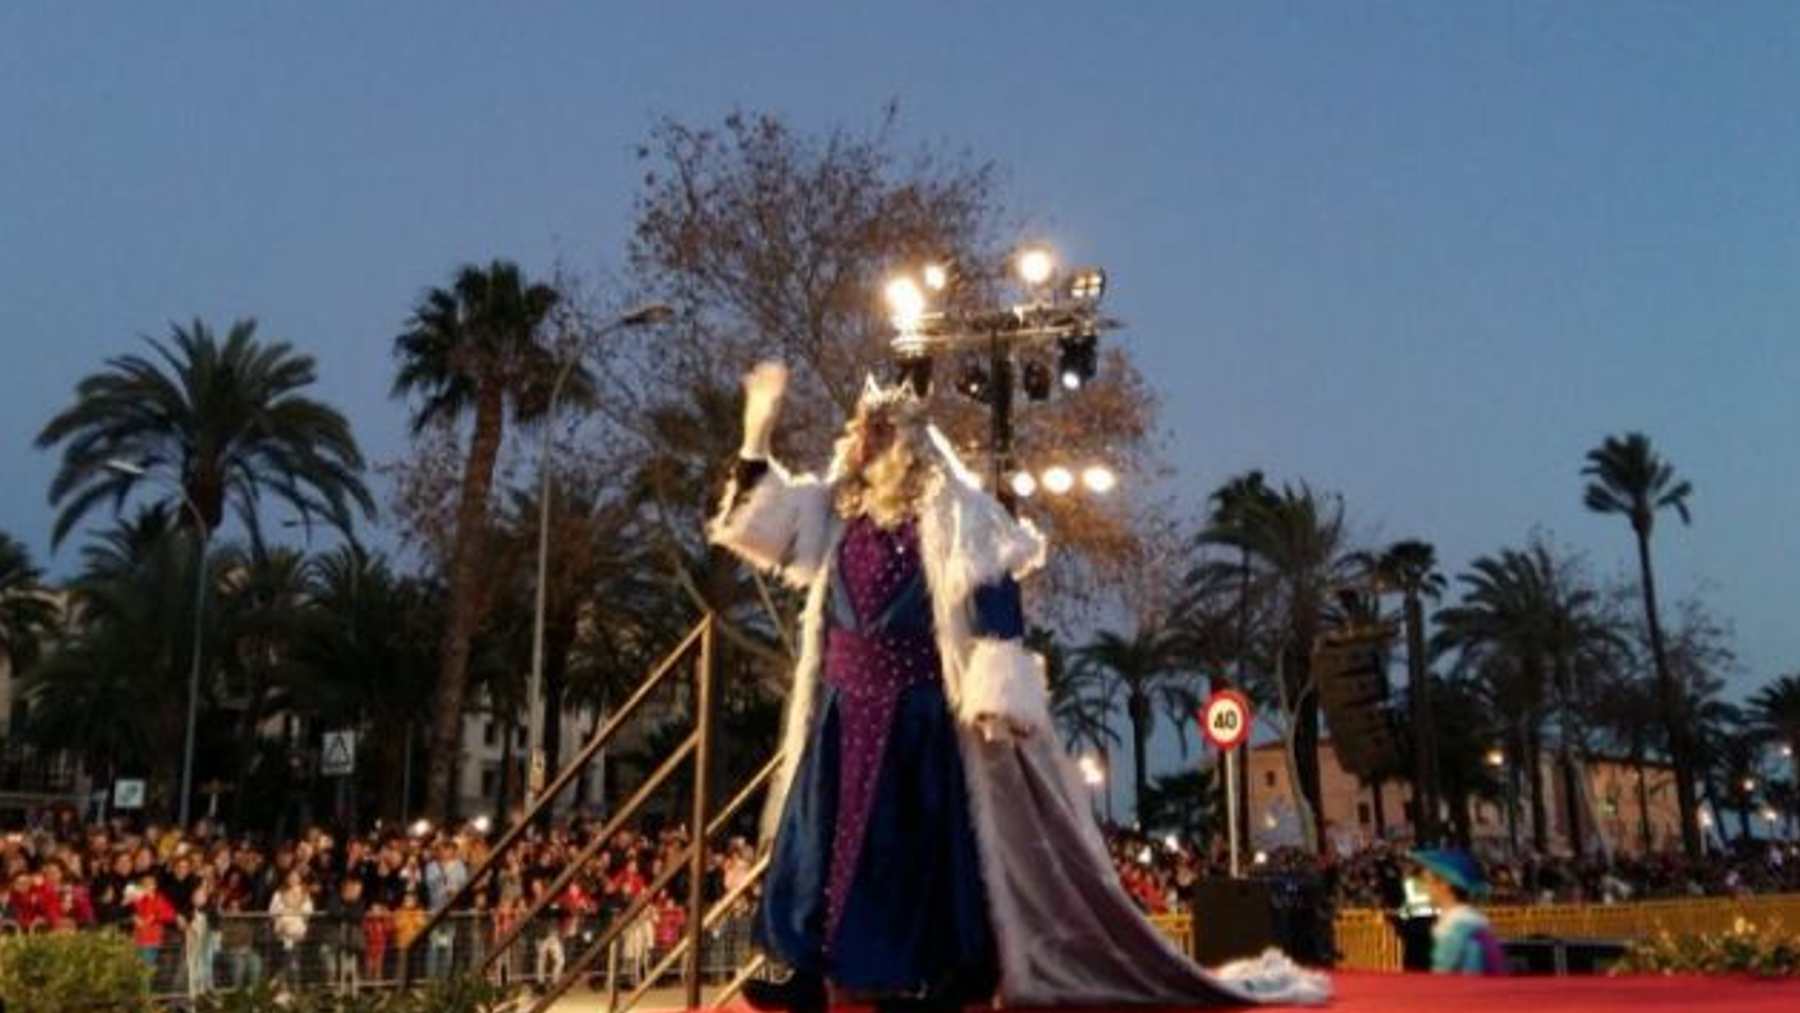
{"type": "Point", "coordinates": [320, 952]}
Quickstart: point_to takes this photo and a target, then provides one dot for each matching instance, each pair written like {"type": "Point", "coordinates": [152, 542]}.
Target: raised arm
{"type": "Point", "coordinates": [771, 519]}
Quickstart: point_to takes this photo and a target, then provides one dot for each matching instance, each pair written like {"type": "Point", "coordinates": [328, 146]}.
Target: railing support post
{"type": "Point", "coordinates": [704, 684]}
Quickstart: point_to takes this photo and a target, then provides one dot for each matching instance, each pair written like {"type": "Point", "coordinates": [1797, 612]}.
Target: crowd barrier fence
{"type": "Point", "coordinates": [1367, 941]}
{"type": "Point", "coordinates": [323, 952]}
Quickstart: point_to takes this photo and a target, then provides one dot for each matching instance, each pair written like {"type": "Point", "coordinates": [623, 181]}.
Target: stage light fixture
{"type": "Point", "coordinates": [1023, 485]}
{"type": "Point", "coordinates": [906, 304]}
{"type": "Point", "coordinates": [1087, 285]}
{"type": "Point", "coordinates": [1058, 479]}
{"type": "Point", "coordinates": [974, 383]}
{"type": "Point", "coordinates": [1035, 265]}
{"type": "Point", "coordinates": [1079, 360]}
{"type": "Point", "coordinates": [1099, 479]}
{"type": "Point", "coordinates": [915, 372]}
{"type": "Point", "coordinates": [1035, 378]}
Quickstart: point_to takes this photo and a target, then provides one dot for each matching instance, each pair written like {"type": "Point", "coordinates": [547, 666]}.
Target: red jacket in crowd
{"type": "Point", "coordinates": [150, 913]}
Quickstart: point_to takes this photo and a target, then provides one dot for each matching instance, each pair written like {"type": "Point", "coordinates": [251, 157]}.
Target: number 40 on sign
{"type": "Point", "coordinates": [1226, 719]}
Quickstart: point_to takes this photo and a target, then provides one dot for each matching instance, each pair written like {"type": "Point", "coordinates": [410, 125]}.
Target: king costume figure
{"type": "Point", "coordinates": [931, 843]}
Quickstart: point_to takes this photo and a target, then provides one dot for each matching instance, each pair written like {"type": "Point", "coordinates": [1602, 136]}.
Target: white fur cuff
{"type": "Point", "coordinates": [1004, 680]}
{"type": "Point", "coordinates": [782, 526]}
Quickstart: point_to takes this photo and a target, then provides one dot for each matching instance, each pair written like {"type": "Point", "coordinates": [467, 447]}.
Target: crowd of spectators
{"type": "Point", "coordinates": [207, 909]}
{"type": "Point", "coordinates": [1160, 873]}
{"type": "Point", "coordinates": [210, 909]}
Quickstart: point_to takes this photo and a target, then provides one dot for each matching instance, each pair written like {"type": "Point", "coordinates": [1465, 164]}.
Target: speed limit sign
{"type": "Point", "coordinates": [1226, 719]}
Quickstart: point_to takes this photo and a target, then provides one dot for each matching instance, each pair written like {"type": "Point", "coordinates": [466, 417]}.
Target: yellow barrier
{"type": "Point", "coordinates": [1179, 928]}
{"type": "Point", "coordinates": [1366, 940]}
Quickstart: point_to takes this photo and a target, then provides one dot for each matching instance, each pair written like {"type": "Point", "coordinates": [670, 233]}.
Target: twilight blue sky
{"type": "Point", "coordinates": [1422, 254]}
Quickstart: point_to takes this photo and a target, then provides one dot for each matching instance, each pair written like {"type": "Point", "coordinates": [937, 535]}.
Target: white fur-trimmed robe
{"type": "Point", "coordinates": [1065, 930]}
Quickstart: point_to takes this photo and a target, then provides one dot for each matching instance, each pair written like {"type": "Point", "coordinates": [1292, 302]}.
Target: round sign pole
{"type": "Point", "coordinates": [1225, 720]}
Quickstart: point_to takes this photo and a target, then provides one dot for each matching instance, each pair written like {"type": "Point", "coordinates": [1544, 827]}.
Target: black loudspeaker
{"type": "Point", "coordinates": [1351, 669]}
{"type": "Point", "coordinates": [1232, 918]}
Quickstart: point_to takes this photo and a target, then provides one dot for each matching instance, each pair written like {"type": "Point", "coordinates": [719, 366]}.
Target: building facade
{"type": "Point", "coordinates": [1620, 799]}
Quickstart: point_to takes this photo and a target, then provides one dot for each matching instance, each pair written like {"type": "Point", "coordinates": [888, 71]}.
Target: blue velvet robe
{"type": "Point", "coordinates": [906, 913]}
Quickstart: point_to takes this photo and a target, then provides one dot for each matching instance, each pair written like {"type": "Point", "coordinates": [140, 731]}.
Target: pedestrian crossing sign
{"type": "Point", "coordinates": [338, 757]}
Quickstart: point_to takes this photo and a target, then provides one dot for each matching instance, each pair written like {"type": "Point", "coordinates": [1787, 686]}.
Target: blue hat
{"type": "Point", "coordinates": [1454, 866]}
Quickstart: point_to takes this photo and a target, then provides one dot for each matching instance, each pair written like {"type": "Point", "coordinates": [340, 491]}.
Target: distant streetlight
{"type": "Point", "coordinates": [132, 469]}
{"type": "Point", "coordinates": [1496, 758]}
{"type": "Point", "coordinates": [1091, 771]}
{"type": "Point", "coordinates": [1058, 479]}
{"type": "Point", "coordinates": [651, 313]}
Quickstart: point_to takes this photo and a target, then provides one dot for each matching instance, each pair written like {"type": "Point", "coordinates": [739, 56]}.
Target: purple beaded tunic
{"type": "Point", "coordinates": [870, 667]}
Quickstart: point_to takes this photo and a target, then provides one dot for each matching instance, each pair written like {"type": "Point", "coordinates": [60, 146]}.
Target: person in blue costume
{"type": "Point", "coordinates": [931, 844]}
{"type": "Point", "coordinates": [1462, 941]}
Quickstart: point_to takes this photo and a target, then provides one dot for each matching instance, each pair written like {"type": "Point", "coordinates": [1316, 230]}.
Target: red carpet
{"type": "Point", "coordinates": [1424, 993]}
{"type": "Point", "coordinates": [1399, 993]}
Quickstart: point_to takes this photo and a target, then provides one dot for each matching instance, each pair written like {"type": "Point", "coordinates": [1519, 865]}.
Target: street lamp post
{"type": "Point", "coordinates": [652, 313]}
{"type": "Point", "coordinates": [201, 534]}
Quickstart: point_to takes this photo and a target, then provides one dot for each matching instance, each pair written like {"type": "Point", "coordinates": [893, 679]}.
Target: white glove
{"type": "Point", "coordinates": [763, 387]}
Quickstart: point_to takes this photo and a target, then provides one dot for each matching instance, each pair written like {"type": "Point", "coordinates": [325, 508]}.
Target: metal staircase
{"type": "Point", "coordinates": [700, 647]}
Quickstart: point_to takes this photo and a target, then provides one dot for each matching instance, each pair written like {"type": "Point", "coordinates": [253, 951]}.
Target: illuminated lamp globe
{"type": "Point", "coordinates": [1058, 479]}
{"type": "Point", "coordinates": [1099, 479]}
{"type": "Point", "coordinates": [1035, 265]}
{"type": "Point", "coordinates": [1023, 485]}
{"type": "Point", "coordinates": [906, 303]}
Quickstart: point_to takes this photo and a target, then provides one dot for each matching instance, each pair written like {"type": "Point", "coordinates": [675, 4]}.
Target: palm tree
{"type": "Point", "coordinates": [1529, 630]}
{"type": "Point", "coordinates": [1464, 728]}
{"type": "Point", "coordinates": [1632, 719]}
{"type": "Point", "coordinates": [366, 657]}
{"type": "Point", "coordinates": [1142, 669]}
{"type": "Point", "coordinates": [263, 605]}
{"type": "Point", "coordinates": [112, 689]}
{"type": "Point", "coordinates": [1626, 476]}
{"type": "Point", "coordinates": [1733, 757]}
{"type": "Point", "coordinates": [473, 350]}
{"type": "Point", "coordinates": [1081, 700]}
{"type": "Point", "coordinates": [1296, 541]}
{"type": "Point", "coordinates": [227, 421]}
{"type": "Point", "coordinates": [1410, 567]}
{"type": "Point", "coordinates": [1776, 711]}
{"type": "Point", "coordinates": [27, 613]}
{"type": "Point", "coordinates": [1231, 505]}
{"type": "Point", "coordinates": [1186, 804]}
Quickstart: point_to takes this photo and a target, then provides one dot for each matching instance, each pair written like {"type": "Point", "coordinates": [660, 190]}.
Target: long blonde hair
{"type": "Point", "coordinates": [888, 488]}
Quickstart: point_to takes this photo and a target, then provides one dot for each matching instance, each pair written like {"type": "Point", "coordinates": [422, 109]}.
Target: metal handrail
{"type": "Point", "coordinates": [574, 866]}
{"type": "Point", "coordinates": [689, 939]}
{"type": "Point", "coordinates": [702, 634]}
{"type": "Point", "coordinates": [699, 746]}
{"type": "Point", "coordinates": [693, 854]}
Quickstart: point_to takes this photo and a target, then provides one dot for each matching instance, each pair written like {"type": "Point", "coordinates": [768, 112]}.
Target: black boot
{"type": "Point", "coordinates": [801, 993]}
